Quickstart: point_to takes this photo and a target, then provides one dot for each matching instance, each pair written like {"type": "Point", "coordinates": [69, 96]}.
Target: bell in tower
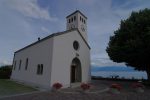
{"type": "Point", "coordinates": [77, 20]}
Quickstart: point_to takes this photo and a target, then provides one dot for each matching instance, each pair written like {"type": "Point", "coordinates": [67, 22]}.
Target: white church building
{"type": "Point", "coordinates": [62, 57]}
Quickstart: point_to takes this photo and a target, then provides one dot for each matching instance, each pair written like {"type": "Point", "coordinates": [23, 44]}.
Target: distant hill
{"type": "Point", "coordinates": [112, 68]}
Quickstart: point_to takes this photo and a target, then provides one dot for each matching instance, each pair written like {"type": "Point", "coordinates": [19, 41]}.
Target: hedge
{"type": "Point", "coordinates": [5, 71]}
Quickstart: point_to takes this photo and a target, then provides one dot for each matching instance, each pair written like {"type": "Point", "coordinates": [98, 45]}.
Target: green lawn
{"type": "Point", "coordinates": [8, 87]}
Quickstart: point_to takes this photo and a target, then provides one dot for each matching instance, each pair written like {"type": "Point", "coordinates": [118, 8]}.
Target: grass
{"type": "Point", "coordinates": [8, 87]}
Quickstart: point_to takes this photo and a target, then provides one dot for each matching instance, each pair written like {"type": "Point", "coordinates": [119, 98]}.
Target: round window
{"type": "Point", "coordinates": [76, 45]}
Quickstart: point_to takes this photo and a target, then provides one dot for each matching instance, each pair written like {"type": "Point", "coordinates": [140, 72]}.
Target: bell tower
{"type": "Point", "coordinates": [79, 21]}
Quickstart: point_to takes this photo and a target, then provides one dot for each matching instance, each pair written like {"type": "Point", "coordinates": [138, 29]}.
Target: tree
{"type": "Point", "coordinates": [5, 71]}
{"type": "Point", "coordinates": [131, 42]}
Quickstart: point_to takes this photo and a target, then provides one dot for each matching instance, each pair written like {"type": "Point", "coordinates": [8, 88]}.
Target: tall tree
{"type": "Point", "coordinates": [131, 42]}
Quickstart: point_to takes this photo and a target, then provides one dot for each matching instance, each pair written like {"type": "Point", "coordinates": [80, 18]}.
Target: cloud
{"type": "Point", "coordinates": [89, 2]}
{"type": "Point", "coordinates": [30, 8]}
{"type": "Point", "coordinates": [103, 19]}
{"type": "Point", "coordinates": [45, 30]}
{"type": "Point", "coordinates": [22, 21]}
{"type": "Point", "coordinates": [124, 9]}
{"type": "Point", "coordinates": [101, 62]}
{"type": "Point", "coordinates": [3, 62]}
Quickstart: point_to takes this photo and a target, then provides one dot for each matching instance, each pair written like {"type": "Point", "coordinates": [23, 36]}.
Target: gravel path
{"type": "Point", "coordinates": [126, 94]}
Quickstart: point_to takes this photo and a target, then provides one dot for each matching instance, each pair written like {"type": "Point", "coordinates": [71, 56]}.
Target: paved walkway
{"type": "Point", "coordinates": [76, 94]}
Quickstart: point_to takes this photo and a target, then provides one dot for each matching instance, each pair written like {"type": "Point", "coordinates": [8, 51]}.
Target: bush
{"type": "Point", "coordinates": [146, 83]}
{"type": "Point", "coordinates": [57, 86]}
{"type": "Point", "coordinates": [137, 85]}
{"type": "Point", "coordinates": [5, 71]}
{"type": "Point", "coordinates": [116, 86]}
{"type": "Point", "coordinates": [85, 86]}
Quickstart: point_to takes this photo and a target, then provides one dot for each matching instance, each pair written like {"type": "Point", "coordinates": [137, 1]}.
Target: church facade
{"type": "Point", "coordinates": [62, 57]}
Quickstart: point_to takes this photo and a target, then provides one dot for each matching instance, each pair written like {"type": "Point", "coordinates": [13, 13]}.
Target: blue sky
{"type": "Point", "coordinates": [23, 21]}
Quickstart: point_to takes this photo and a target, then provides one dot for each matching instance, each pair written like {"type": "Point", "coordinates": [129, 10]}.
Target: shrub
{"type": "Point", "coordinates": [5, 71]}
{"type": "Point", "coordinates": [85, 86]}
{"type": "Point", "coordinates": [57, 86]}
{"type": "Point", "coordinates": [137, 85]}
{"type": "Point", "coordinates": [116, 86]}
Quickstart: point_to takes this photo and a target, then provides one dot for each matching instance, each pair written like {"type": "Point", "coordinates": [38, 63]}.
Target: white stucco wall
{"type": "Point", "coordinates": [64, 53]}
{"type": "Point", "coordinates": [40, 53]}
{"type": "Point", "coordinates": [56, 54]}
{"type": "Point", "coordinates": [82, 24]}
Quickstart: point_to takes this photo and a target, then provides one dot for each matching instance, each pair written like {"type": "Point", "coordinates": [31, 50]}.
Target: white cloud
{"type": "Point", "coordinates": [89, 2]}
{"type": "Point", "coordinates": [30, 8]}
{"type": "Point", "coordinates": [3, 62]}
{"type": "Point", "coordinates": [45, 30]}
{"type": "Point", "coordinates": [124, 10]}
{"type": "Point", "coordinates": [102, 24]}
{"type": "Point", "coordinates": [103, 19]}
{"type": "Point", "coordinates": [101, 62]}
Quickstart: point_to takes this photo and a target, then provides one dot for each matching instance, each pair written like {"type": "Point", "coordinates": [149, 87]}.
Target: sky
{"type": "Point", "coordinates": [23, 21]}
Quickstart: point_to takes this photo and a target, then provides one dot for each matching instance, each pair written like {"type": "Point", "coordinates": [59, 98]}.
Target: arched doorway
{"type": "Point", "coordinates": [75, 72]}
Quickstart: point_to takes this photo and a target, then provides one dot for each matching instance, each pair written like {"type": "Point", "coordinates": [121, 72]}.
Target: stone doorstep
{"type": "Point", "coordinates": [74, 85]}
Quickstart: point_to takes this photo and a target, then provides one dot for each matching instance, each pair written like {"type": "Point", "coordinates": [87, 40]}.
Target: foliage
{"type": "Point", "coordinates": [85, 86]}
{"type": "Point", "coordinates": [5, 71]}
{"type": "Point", "coordinates": [57, 86]}
{"type": "Point", "coordinates": [116, 86]}
{"type": "Point", "coordinates": [131, 42]}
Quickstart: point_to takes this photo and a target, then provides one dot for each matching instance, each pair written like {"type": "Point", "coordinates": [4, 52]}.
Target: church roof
{"type": "Point", "coordinates": [53, 35]}
{"type": "Point", "coordinates": [76, 12]}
